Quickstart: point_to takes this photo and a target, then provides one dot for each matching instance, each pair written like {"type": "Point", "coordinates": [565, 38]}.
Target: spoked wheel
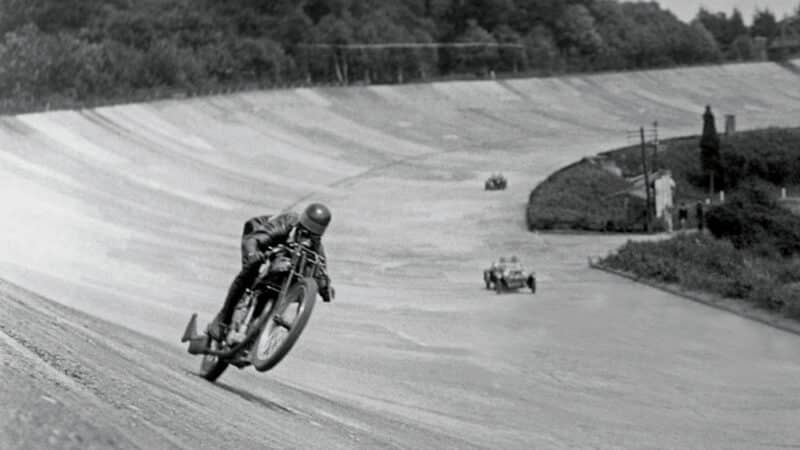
{"type": "Point", "coordinates": [212, 367]}
{"type": "Point", "coordinates": [532, 284]}
{"type": "Point", "coordinates": [284, 326]}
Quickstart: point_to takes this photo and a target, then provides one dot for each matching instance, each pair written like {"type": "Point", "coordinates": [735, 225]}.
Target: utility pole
{"type": "Point", "coordinates": [655, 142]}
{"type": "Point", "coordinates": [652, 134]}
{"type": "Point", "coordinates": [646, 180]}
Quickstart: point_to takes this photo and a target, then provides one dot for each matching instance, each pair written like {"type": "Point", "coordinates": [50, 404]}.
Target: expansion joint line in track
{"type": "Point", "coordinates": [374, 170]}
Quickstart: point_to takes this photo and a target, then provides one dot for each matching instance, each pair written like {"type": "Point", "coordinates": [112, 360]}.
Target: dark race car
{"type": "Point", "coordinates": [496, 182]}
{"type": "Point", "coordinates": [502, 276]}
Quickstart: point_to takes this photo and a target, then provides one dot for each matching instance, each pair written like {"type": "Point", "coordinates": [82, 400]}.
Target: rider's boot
{"type": "Point", "coordinates": [218, 328]}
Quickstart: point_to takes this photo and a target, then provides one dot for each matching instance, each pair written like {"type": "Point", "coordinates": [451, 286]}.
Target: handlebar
{"type": "Point", "coordinates": [292, 246]}
{"type": "Point", "coordinates": [315, 258]}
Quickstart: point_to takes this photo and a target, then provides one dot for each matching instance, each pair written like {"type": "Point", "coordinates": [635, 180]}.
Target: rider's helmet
{"type": "Point", "coordinates": [514, 259]}
{"type": "Point", "coordinates": [502, 260]}
{"type": "Point", "coordinates": [316, 218]}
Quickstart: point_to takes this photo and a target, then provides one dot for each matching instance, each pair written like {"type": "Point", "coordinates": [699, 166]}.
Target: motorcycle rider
{"type": "Point", "coordinates": [262, 232]}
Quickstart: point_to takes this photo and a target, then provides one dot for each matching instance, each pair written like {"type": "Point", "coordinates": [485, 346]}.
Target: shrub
{"type": "Point", "coordinates": [753, 252]}
{"type": "Point", "coordinates": [583, 196]}
{"type": "Point", "coordinates": [675, 259]}
{"type": "Point", "coordinates": [764, 295]}
{"type": "Point", "coordinates": [789, 296]}
{"type": "Point", "coordinates": [750, 159]}
{"type": "Point", "coordinates": [752, 220]}
{"type": "Point", "coordinates": [768, 155]}
{"type": "Point", "coordinates": [701, 262]}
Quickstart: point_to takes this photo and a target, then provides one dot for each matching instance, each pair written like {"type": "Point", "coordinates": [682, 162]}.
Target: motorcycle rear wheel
{"type": "Point", "coordinates": [280, 333]}
{"type": "Point", "coordinates": [211, 367]}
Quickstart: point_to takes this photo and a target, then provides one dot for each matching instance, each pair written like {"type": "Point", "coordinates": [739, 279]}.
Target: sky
{"type": "Point", "coordinates": [686, 10]}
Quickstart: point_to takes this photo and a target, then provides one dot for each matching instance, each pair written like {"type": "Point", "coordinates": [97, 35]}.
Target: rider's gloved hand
{"type": "Point", "coordinates": [327, 294]}
{"type": "Point", "coordinates": [325, 289]}
{"type": "Point", "coordinates": [254, 257]}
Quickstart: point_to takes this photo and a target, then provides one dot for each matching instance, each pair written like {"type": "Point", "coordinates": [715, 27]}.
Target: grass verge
{"type": "Point", "coordinates": [735, 306]}
{"type": "Point", "coordinates": [698, 262]}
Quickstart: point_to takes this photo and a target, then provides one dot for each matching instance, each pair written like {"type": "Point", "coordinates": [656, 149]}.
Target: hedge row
{"type": "Point", "coordinates": [702, 262]}
{"type": "Point", "coordinates": [753, 253]}
{"type": "Point", "coordinates": [561, 201]}
{"type": "Point", "coordinates": [580, 196]}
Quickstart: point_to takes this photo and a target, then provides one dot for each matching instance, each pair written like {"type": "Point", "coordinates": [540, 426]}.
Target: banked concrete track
{"type": "Point", "coordinates": [126, 219]}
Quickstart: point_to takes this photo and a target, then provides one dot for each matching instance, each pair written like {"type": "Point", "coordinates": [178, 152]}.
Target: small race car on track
{"type": "Point", "coordinates": [505, 276]}
{"type": "Point", "coordinates": [496, 182]}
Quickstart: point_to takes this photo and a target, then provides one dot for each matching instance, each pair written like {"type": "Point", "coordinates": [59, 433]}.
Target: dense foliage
{"type": "Point", "coordinates": [770, 155]}
{"type": "Point", "coordinates": [754, 254]}
{"type": "Point", "coordinates": [702, 262]}
{"type": "Point", "coordinates": [561, 201]}
{"type": "Point", "coordinates": [578, 196]}
{"type": "Point", "coordinates": [77, 50]}
{"type": "Point", "coordinates": [752, 219]}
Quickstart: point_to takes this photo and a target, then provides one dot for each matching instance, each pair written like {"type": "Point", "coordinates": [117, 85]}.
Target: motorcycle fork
{"type": "Point", "coordinates": [298, 265]}
{"type": "Point", "coordinates": [253, 301]}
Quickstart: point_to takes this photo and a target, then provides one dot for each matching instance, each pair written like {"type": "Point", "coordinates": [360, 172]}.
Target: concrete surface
{"type": "Point", "coordinates": [128, 218]}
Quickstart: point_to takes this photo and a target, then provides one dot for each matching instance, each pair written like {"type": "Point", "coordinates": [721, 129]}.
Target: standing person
{"type": "Point", "coordinates": [668, 218]}
{"type": "Point", "coordinates": [683, 215]}
{"type": "Point", "coordinates": [699, 210]}
{"type": "Point", "coordinates": [664, 187]}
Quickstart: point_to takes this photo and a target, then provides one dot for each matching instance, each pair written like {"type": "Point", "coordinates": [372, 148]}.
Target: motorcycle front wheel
{"type": "Point", "coordinates": [284, 324]}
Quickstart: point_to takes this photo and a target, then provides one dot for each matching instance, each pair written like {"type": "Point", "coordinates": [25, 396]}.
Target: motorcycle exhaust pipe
{"type": "Point", "coordinates": [198, 343]}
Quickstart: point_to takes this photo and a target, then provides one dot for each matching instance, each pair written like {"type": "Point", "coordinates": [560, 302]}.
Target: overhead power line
{"type": "Point", "coordinates": [413, 45]}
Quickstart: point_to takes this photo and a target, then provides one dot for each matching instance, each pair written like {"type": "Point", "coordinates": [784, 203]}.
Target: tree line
{"type": "Point", "coordinates": [106, 49]}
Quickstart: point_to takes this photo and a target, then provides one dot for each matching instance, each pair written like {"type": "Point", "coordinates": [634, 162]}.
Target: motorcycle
{"type": "Point", "coordinates": [268, 319]}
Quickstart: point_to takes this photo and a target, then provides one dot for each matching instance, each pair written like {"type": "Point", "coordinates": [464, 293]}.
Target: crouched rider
{"type": "Point", "coordinates": [267, 231]}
